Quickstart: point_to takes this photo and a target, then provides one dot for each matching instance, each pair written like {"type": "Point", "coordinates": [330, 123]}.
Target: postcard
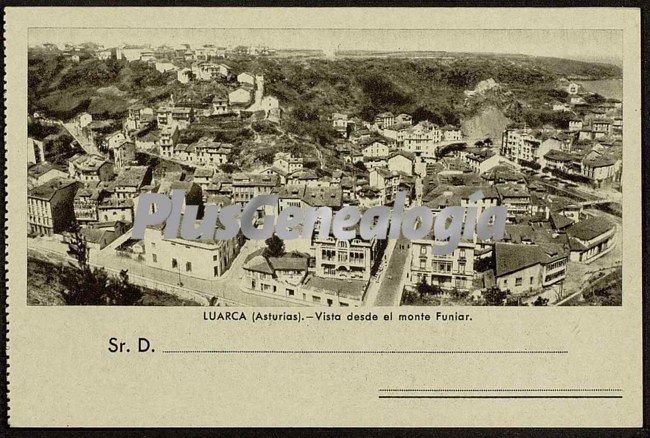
{"type": "Point", "coordinates": [323, 217]}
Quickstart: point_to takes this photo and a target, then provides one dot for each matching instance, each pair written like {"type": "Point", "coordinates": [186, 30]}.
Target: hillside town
{"type": "Point", "coordinates": [219, 134]}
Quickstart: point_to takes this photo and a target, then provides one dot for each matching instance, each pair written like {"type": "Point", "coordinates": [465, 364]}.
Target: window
{"type": "Point", "coordinates": [290, 292]}
{"type": "Point", "coordinates": [216, 271]}
{"type": "Point", "coordinates": [315, 299]}
{"type": "Point", "coordinates": [188, 267]}
{"type": "Point", "coordinates": [531, 280]}
{"type": "Point", "coordinates": [423, 250]}
{"type": "Point", "coordinates": [174, 263]}
{"type": "Point", "coordinates": [329, 302]}
{"type": "Point", "coordinates": [215, 257]}
{"type": "Point", "coordinates": [154, 258]}
{"type": "Point", "coordinates": [518, 281]}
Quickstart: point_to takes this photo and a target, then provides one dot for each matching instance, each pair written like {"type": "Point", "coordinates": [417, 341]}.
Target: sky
{"type": "Point", "coordinates": [580, 44]}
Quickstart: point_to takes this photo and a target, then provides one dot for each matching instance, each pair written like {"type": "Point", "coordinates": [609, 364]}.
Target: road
{"type": "Point", "coordinates": [390, 289]}
{"type": "Point", "coordinates": [225, 288]}
{"type": "Point", "coordinates": [85, 144]}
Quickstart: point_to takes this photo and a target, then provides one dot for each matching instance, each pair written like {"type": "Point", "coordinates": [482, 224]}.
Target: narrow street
{"type": "Point", "coordinates": [225, 288]}
{"type": "Point", "coordinates": [392, 284]}
{"type": "Point", "coordinates": [84, 143]}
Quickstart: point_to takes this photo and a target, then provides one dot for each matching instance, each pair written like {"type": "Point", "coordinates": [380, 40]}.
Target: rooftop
{"type": "Point", "coordinates": [132, 176]}
{"type": "Point", "coordinates": [511, 258]}
{"type": "Point", "coordinates": [353, 289]}
{"type": "Point", "coordinates": [589, 229]}
{"type": "Point", "coordinates": [47, 190]}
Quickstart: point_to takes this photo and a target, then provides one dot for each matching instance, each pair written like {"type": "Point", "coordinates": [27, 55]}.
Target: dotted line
{"type": "Point", "coordinates": [367, 351]}
{"type": "Point", "coordinates": [505, 390]}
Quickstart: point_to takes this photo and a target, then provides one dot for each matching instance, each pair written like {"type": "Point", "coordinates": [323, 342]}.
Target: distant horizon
{"type": "Point", "coordinates": [593, 45]}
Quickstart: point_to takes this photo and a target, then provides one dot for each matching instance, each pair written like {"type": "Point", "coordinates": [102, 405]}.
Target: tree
{"type": "Point", "coordinates": [494, 296]}
{"type": "Point", "coordinates": [540, 301]}
{"type": "Point", "coordinates": [425, 288]}
{"type": "Point", "coordinates": [84, 285]}
{"type": "Point", "coordinates": [409, 298]}
{"type": "Point", "coordinates": [274, 247]}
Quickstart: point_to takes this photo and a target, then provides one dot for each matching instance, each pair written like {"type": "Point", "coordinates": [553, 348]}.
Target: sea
{"type": "Point", "coordinates": [609, 88]}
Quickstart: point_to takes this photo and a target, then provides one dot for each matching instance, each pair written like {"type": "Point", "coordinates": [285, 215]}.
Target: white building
{"type": "Point", "coordinates": [454, 270]}
{"type": "Point", "coordinates": [204, 259]}
{"type": "Point", "coordinates": [246, 78]}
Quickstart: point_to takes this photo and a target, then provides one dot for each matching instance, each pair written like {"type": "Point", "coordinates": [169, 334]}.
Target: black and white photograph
{"type": "Point", "coordinates": [530, 119]}
{"type": "Point", "coordinates": [251, 217]}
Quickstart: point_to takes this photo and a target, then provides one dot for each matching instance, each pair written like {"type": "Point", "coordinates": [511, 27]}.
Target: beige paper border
{"type": "Point", "coordinates": [61, 374]}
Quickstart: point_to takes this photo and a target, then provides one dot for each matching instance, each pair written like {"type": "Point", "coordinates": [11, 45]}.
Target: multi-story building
{"type": "Point", "coordinates": [515, 197]}
{"type": "Point", "coordinates": [123, 154]}
{"type": "Point", "coordinates": [591, 239]}
{"type": "Point", "coordinates": [169, 115]}
{"type": "Point", "coordinates": [276, 276]}
{"type": "Point", "coordinates": [517, 143]}
{"type": "Point", "coordinates": [86, 168]}
{"type": "Point", "coordinates": [376, 148]}
{"type": "Point", "coordinates": [448, 271]}
{"type": "Point", "coordinates": [168, 139]}
{"type": "Point", "coordinates": [401, 162]}
{"type": "Point", "coordinates": [87, 200]}
{"type": "Point", "coordinates": [599, 167]}
{"type": "Point", "coordinates": [116, 209]}
{"type": "Point", "coordinates": [220, 105]}
{"type": "Point", "coordinates": [246, 186]}
{"type": "Point", "coordinates": [523, 268]}
{"type": "Point", "coordinates": [50, 206]}
{"type": "Point", "coordinates": [204, 259]}
{"type": "Point", "coordinates": [303, 196]}
{"type": "Point", "coordinates": [210, 153]}
{"type": "Point", "coordinates": [41, 173]}
{"type": "Point", "coordinates": [130, 181]}
{"type": "Point", "coordinates": [287, 278]}
{"type": "Point", "coordinates": [205, 71]}
{"type": "Point", "coordinates": [287, 162]}
{"type": "Point", "coordinates": [421, 139]}
{"type": "Point", "coordinates": [384, 120]}
{"type": "Point", "coordinates": [349, 259]}
{"type": "Point", "coordinates": [203, 177]}
{"type": "Point", "coordinates": [342, 124]}
{"type": "Point", "coordinates": [451, 133]}
{"type": "Point", "coordinates": [481, 160]}
{"type": "Point", "coordinates": [390, 183]}
{"type": "Point", "coordinates": [556, 159]}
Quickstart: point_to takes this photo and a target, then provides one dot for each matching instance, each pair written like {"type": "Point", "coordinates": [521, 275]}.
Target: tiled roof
{"type": "Point", "coordinates": [511, 258]}
{"type": "Point", "coordinates": [589, 229]}
{"type": "Point", "coordinates": [132, 176]}
{"type": "Point", "coordinates": [47, 190]}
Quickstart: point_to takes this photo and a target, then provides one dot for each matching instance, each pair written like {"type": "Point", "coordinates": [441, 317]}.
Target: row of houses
{"type": "Point", "coordinates": [600, 164]}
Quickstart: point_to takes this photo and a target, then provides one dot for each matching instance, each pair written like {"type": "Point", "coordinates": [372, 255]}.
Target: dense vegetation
{"type": "Point", "coordinates": [311, 89]}
{"type": "Point", "coordinates": [63, 88]}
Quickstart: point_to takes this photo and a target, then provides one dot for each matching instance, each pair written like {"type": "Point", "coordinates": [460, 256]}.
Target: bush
{"type": "Point", "coordinates": [494, 296]}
